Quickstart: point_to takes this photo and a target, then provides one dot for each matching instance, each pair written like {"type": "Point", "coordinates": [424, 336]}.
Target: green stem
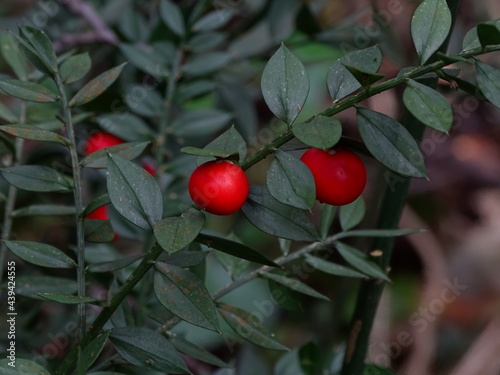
{"type": "Point", "coordinates": [107, 312]}
{"type": "Point", "coordinates": [77, 194]}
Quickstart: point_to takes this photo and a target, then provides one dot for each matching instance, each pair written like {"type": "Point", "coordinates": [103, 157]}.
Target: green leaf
{"type": "Point", "coordinates": [285, 297]}
{"type": "Point", "coordinates": [30, 91]}
{"type": "Point", "coordinates": [113, 265]}
{"type": "Point", "coordinates": [44, 210]}
{"type": "Point", "coordinates": [206, 42]}
{"type": "Point", "coordinates": [175, 233]}
{"type": "Point", "coordinates": [390, 143]}
{"type": "Point", "coordinates": [293, 284]}
{"type": "Point", "coordinates": [248, 326]}
{"type": "Point", "coordinates": [92, 351]}
{"type": "Point", "coordinates": [14, 57]}
{"type": "Point", "coordinates": [7, 115]}
{"type": "Point", "coordinates": [231, 142]}
{"type": "Point", "coordinates": [327, 216]}
{"type": "Point", "coordinates": [40, 254]}
{"type": "Point", "coordinates": [126, 126]}
{"type": "Point", "coordinates": [127, 151]}
{"type": "Point", "coordinates": [285, 85]}
{"type": "Point", "coordinates": [145, 58]}
{"type": "Point", "coordinates": [488, 34]}
{"type": "Point", "coordinates": [172, 17]}
{"type": "Point", "coordinates": [360, 261]}
{"type": "Point", "coordinates": [22, 366]}
{"type": "Point", "coordinates": [207, 152]}
{"type": "Point", "coordinates": [34, 133]}
{"type": "Point", "coordinates": [234, 266]}
{"type": "Point", "coordinates": [488, 81]}
{"type": "Point", "coordinates": [428, 106]}
{"type": "Point", "coordinates": [471, 39]}
{"type": "Point", "coordinates": [146, 348]}
{"type": "Point", "coordinates": [75, 67]}
{"type": "Point", "coordinates": [194, 89]}
{"type": "Point", "coordinates": [291, 182]}
{"type": "Point", "coordinates": [364, 77]}
{"type": "Point", "coordinates": [207, 63]}
{"type": "Point", "coordinates": [97, 230]}
{"type": "Point", "coordinates": [149, 103]}
{"type": "Point", "coordinates": [183, 294]}
{"type": "Point", "coordinates": [234, 248]}
{"type": "Point", "coordinates": [371, 369]}
{"type": "Point", "coordinates": [213, 20]}
{"type": "Point", "coordinates": [352, 214]}
{"type": "Point", "coordinates": [135, 194]}
{"type": "Point", "coordinates": [278, 219]}
{"type": "Point", "coordinates": [200, 123]}
{"type": "Point", "coordinates": [102, 200]}
{"type": "Point", "coordinates": [332, 268]}
{"type": "Point", "coordinates": [29, 286]}
{"type": "Point", "coordinates": [377, 233]}
{"type": "Point", "coordinates": [96, 86]}
{"type": "Point", "coordinates": [37, 178]}
{"type": "Point", "coordinates": [185, 258]}
{"type": "Point", "coordinates": [67, 298]}
{"type": "Point", "coordinates": [311, 358]}
{"type": "Point", "coordinates": [321, 132]}
{"type": "Point", "coordinates": [341, 82]}
{"type": "Point", "coordinates": [42, 46]}
{"type": "Point", "coordinates": [430, 25]}
{"type": "Point", "coordinates": [195, 351]}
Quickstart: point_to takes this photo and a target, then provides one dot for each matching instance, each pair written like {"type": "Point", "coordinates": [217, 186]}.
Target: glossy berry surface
{"type": "Point", "coordinates": [339, 175]}
{"type": "Point", "coordinates": [219, 187]}
{"type": "Point", "coordinates": [98, 141]}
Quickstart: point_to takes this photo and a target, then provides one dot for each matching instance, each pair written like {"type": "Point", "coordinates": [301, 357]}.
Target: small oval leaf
{"type": "Point", "coordinates": [332, 268]}
{"type": "Point", "coordinates": [29, 91]}
{"type": "Point", "coordinates": [34, 133]}
{"type": "Point", "coordinates": [37, 178]}
{"type": "Point", "coordinates": [75, 67]}
{"type": "Point", "coordinates": [22, 366]}
{"type": "Point", "coordinates": [488, 80]}
{"type": "Point", "coordinates": [293, 284]}
{"type": "Point", "coordinates": [14, 57]}
{"type": "Point", "coordinates": [172, 17]}
{"type": "Point", "coordinates": [127, 151]}
{"type": "Point", "coordinates": [321, 132]}
{"type": "Point", "coordinates": [360, 261]}
{"type": "Point", "coordinates": [352, 214]}
{"type": "Point", "coordinates": [40, 254]}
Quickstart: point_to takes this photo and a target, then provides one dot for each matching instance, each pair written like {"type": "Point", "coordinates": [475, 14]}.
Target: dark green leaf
{"type": "Point", "coordinates": [30, 285]}
{"type": "Point", "coordinates": [135, 194]}
{"type": "Point", "coordinates": [430, 25]}
{"type": "Point", "coordinates": [193, 89]}
{"type": "Point", "coordinates": [234, 266]}
{"type": "Point", "coordinates": [185, 295]}
{"type": "Point", "coordinates": [75, 67]}
{"type": "Point", "coordinates": [234, 248]}
{"type": "Point", "coordinates": [488, 80]}
{"type": "Point", "coordinates": [37, 178]}
{"type": "Point", "coordinates": [200, 123]}
{"type": "Point", "coordinates": [96, 86]}
{"type": "Point", "coordinates": [428, 106]}
{"type": "Point", "coordinates": [145, 58]}
{"type": "Point", "coordinates": [90, 352]}
{"type": "Point", "coordinates": [22, 366]}
{"type": "Point", "coordinates": [126, 126]}
{"type": "Point", "coordinates": [145, 102]}
{"type": "Point", "coordinates": [206, 42]}
{"type": "Point", "coordinates": [390, 143]}
{"type": "Point", "coordinates": [248, 326]}
{"type": "Point", "coordinates": [371, 369]}
{"type": "Point", "coordinates": [360, 261]}
{"type": "Point", "coordinates": [42, 46]}
{"type": "Point", "coordinates": [40, 254]}
{"type": "Point", "coordinates": [471, 39]}
{"type": "Point", "coordinates": [488, 34]}
{"type": "Point", "coordinates": [206, 63]}
{"type": "Point", "coordinates": [175, 233]}
{"type": "Point", "coordinates": [127, 151]}
{"type": "Point", "coordinates": [276, 218]}
{"type": "Point", "coordinates": [67, 298]}
{"type": "Point", "coordinates": [34, 133]}
{"type": "Point", "coordinates": [231, 142]}
{"type": "Point", "coordinates": [332, 268]}
{"type": "Point", "coordinates": [293, 284]}
{"type": "Point", "coordinates": [377, 233]}
{"type": "Point", "coordinates": [97, 230]}
{"type": "Point", "coordinates": [95, 204]}
{"type": "Point", "coordinates": [311, 358]}
{"type": "Point", "coordinates": [113, 265]}
{"type": "Point", "coordinates": [172, 17]}
{"type": "Point", "coordinates": [44, 210]}
{"type": "Point", "coordinates": [195, 351]}
{"type": "Point", "coordinates": [322, 132]}
{"type": "Point", "coordinates": [364, 77]}
{"type": "Point", "coordinates": [146, 348]}
{"type": "Point", "coordinates": [208, 152]}
{"type": "Point", "coordinates": [30, 91]}
{"type": "Point", "coordinates": [7, 115]}
{"type": "Point", "coordinates": [213, 20]}
{"type": "Point", "coordinates": [32, 55]}
{"type": "Point", "coordinates": [341, 82]}
{"type": "Point", "coordinates": [352, 214]}
{"type": "Point", "coordinates": [291, 182]}
{"type": "Point", "coordinates": [14, 57]}
{"type": "Point", "coordinates": [185, 258]}
{"type": "Point", "coordinates": [285, 85]}
{"type": "Point", "coordinates": [285, 297]}
{"type": "Point", "coordinates": [327, 216]}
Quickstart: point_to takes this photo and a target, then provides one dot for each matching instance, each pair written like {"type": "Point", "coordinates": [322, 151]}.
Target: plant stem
{"type": "Point", "coordinates": [77, 193]}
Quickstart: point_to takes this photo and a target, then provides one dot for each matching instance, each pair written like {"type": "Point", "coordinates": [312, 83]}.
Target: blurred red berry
{"type": "Point", "coordinates": [98, 141]}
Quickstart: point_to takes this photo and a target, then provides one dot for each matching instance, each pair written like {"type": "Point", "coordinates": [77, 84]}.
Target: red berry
{"type": "Point", "coordinates": [149, 167]}
{"type": "Point", "coordinates": [339, 175]}
{"type": "Point", "coordinates": [98, 141]}
{"type": "Point", "coordinates": [100, 213]}
{"type": "Point", "coordinates": [219, 187]}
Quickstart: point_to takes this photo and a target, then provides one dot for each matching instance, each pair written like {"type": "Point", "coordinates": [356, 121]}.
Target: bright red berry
{"type": "Point", "coordinates": [339, 175]}
{"type": "Point", "coordinates": [98, 141]}
{"type": "Point", "coordinates": [100, 213]}
{"type": "Point", "coordinates": [219, 187]}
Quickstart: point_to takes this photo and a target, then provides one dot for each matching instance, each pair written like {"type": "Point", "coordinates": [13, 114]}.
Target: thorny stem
{"type": "Point", "coordinates": [77, 193]}
{"type": "Point", "coordinates": [156, 250]}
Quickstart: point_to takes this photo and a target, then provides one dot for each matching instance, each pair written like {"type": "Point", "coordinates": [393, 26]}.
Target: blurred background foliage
{"type": "Point", "coordinates": [424, 325]}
